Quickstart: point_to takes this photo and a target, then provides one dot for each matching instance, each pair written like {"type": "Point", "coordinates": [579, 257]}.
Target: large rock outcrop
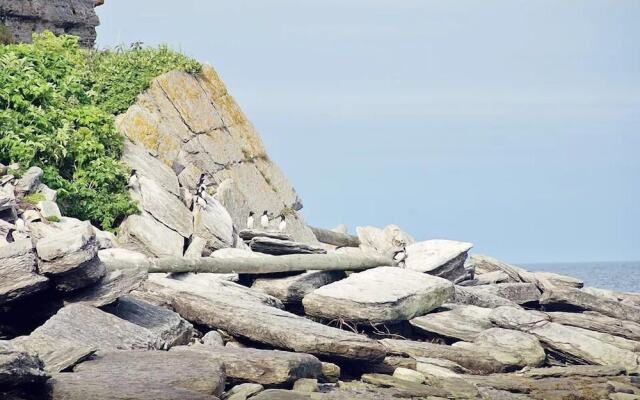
{"type": "Point", "coordinates": [73, 17]}
{"type": "Point", "coordinates": [185, 127]}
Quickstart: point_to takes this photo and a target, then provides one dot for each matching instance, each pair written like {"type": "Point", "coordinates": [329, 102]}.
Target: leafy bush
{"type": "Point", "coordinates": [33, 198]}
{"type": "Point", "coordinates": [57, 106]}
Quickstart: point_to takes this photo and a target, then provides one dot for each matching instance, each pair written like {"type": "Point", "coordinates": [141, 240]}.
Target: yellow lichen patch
{"type": "Point", "coordinates": [139, 126]}
{"type": "Point", "coordinates": [211, 82]}
{"type": "Point", "coordinates": [230, 111]}
{"type": "Point", "coordinates": [191, 101]}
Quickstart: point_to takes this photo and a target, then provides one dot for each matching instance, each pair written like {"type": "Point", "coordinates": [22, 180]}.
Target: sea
{"type": "Point", "coordinates": [620, 276]}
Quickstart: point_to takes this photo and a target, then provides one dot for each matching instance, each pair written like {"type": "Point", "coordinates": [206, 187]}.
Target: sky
{"type": "Point", "coordinates": [514, 125]}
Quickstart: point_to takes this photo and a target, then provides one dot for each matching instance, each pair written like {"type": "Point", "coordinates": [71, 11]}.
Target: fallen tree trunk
{"type": "Point", "coordinates": [352, 261]}
{"type": "Point", "coordinates": [335, 238]}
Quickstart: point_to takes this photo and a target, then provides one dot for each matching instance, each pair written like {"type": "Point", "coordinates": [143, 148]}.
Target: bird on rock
{"type": "Point", "coordinates": [250, 220]}
{"type": "Point", "coordinates": [283, 224]}
{"type": "Point", "coordinates": [264, 220]}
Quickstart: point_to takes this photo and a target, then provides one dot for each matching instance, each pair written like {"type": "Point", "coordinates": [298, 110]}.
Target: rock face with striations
{"type": "Point", "coordinates": [185, 127]}
{"type": "Point", "coordinates": [73, 17]}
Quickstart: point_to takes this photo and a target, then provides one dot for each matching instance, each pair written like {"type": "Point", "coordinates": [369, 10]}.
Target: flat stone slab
{"type": "Point", "coordinates": [84, 328]}
{"type": "Point", "coordinates": [18, 271]}
{"type": "Point", "coordinates": [267, 367]}
{"type": "Point", "coordinates": [462, 322]}
{"type": "Point", "coordinates": [471, 359]}
{"type": "Point", "coordinates": [170, 326]}
{"type": "Point", "coordinates": [519, 293]}
{"type": "Point", "coordinates": [292, 289]}
{"type": "Point", "coordinates": [142, 375]}
{"type": "Point", "coordinates": [248, 234]}
{"type": "Point", "coordinates": [379, 295]}
{"type": "Point", "coordinates": [481, 298]}
{"type": "Point", "coordinates": [573, 343]}
{"type": "Point", "coordinates": [444, 258]}
{"type": "Point", "coordinates": [279, 247]}
{"type": "Point", "coordinates": [599, 323]}
{"type": "Point", "coordinates": [258, 322]}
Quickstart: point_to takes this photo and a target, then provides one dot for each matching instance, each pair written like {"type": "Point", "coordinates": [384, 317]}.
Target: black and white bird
{"type": "Point", "coordinates": [20, 225]}
{"type": "Point", "coordinates": [250, 220]}
{"type": "Point", "coordinates": [201, 189]}
{"type": "Point", "coordinates": [10, 238]}
{"type": "Point", "coordinates": [264, 220]}
{"type": "Point", "coordinates": [133, 180]}
{"type": "Point", "coordinates": [283, 224]}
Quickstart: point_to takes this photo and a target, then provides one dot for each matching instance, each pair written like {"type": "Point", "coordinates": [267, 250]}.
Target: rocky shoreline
{"type": "Point", "coordinates": [187, 303]}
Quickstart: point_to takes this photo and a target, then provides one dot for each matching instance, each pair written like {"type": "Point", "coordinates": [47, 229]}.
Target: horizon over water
{"type": "Point", "coordinates": [622, 276]}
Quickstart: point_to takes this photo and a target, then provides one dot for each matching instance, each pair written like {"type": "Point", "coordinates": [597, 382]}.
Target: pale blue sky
{"type": "Point", "coordinates": [511, 124]}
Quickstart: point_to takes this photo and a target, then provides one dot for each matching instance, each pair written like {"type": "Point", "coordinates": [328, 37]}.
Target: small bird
{"type": "Point", "coordinates": [133, 180]}
{"type": "Point", "coordinates": [250, 220]}
{"type": "Point", "coordinates": [264, 220]}
{"type": "Point", "coordinates": [20, 226]}
{"type": "Point", "coordinates": [202, 187]}
{"type": "Point", "coordinates": [10, 238]}
{"type": "Point", "coordinates": [283, 224]}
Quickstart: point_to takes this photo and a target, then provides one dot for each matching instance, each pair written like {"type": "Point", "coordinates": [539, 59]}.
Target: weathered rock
{"type": "Point", "coordinates": [631, 299]}
{"type": "Point", "coordinates": [46, 192]}
{"type": "Point", "coordinates": [127, 375]}
{"type": "Point", "coordinates": [558, 280]}
{"type": "Point", "coordinates": [18, 274]}
{"type": "Point", "coordinates": [514, 348]}
{"type": "Point", "coordinates": [142, 233]}
{"type": "Point", "coordinates": [106, 240]}
{"type": "Point", "coordinates": [69, 257]}
{"type": "Point", "coordinates": [305, 385]}
{"type": "Point", "coordinates": [213, 338]}
{"type": "Point", "coordinates": [191, 124]}
{"type": "Point", "coordinates": [330, 372]}
{"type": "Point", "coordinates": [267, 367]}
{"type": "Point", "coordinates": [444, 258]}
{"type": "Point", "coordinates": [81, 326]}
{"type": "Point", "coordinates": [164, 206]}
{"type": "Point", "coordinates": [7, 198]}
{"type": "Point", "coordinates": [599, 323]}
{"type": "Point", "coordinates": [29, 181]}
{"type": "Point", "coordinates": [462, 322]}
{"type": "Point", "coordinates": [385, 241]}
{"type": "Point", "coordinates": [471, 296]}
{"type": "Point", "coordinates": [335, 238]}
{"type": "Point", "coordinates": [379, 295]}
{"type": "Point", "coordinates": [279, 394]}
{"type": "Point", "coordinates": [196, 248]}
{"type": "Point", "coordinates": [147, 166]}
{"type": "Point", "coordinates": [264, 324]}
{"type": "Point", "coordinates": [281, 247]}
{"type": "Point", "coordinates": [76, 17]}
{"type": "Point", "coordinates": [408, 388]}
{"type": "Point", "coordinates": [492, 277]}
{"type": "Point", "coordinates": [18, 368]}
{"type": "Point", "coordinates": [433, 370]}
{"type": "Point", "coordinates": [214, 224]}
{"type": "Point", "coordinates": [49, 210]}
{"type": "Point", "coordinates": [167, 324]}
{"type": "Point", "coordinates": [408, 375]}
{"type": "Point", "coordinates": [473, 360]}
{"type": "Point", "coordinates": [243, 391]}
{"type": "Point", "coordinates": [291, 289]}
{"type": "Point", "coordinates": [566, 340]}
{"type": "Point", "coordinates": [519, 293]}
{"type": "Point", "coordinates": [211, 287]}
{"type": "Point", "coordinates": [574, 370]}
{"type": "Point", "coordinates": [248, 234]}
{"type": "Point", "coordinates": [584, 301]}
{"type": "Point", "coordinates": [116, 283]}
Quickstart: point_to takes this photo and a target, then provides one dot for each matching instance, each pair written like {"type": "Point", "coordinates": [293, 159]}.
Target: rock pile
{"type": "Point", "coordinates": [75, 17]}
{"type": "Point", "coordinates": [186, 303]}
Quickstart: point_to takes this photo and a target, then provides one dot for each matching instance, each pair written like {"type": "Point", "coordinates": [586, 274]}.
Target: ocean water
{"type": "Point", "coordinates": [621, 276]}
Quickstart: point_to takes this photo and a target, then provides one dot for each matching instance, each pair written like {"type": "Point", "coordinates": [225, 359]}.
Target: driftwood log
{"type": "Point", "coordinates": [347, 261]}
{"type": "Point", "coordinates": [335, 238]}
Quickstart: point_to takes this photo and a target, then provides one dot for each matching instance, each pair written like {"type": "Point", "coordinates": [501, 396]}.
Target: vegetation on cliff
{"type": "Point", "coordinates": [57, 108]}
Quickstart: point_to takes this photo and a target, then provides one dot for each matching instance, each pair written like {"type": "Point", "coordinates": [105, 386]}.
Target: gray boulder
{"type": "Point", "coordinates": [443, 258]}
{"type": "Point", "coordinates": [472, 296]}
{"type": "Point", "coordinates": [379, 295]}
{"type": "Point", "coordinates": [519, 293]}
{"type": "Point", "coordinates": [70, 257]}
{"type": "Point", "coordinates": [18, 271]}
{"type": "Point", "coordinates": [463, 322]}
{"type": "Point", "coordinates": [29, 181]}
{"type": "Point", "coordinates": [19, 368]}
{"type": "Point", "coordinates": [144, 234]}
{"type": "Point", "coordinates": [292, 289]}
{"type": "Point", "coordinates": [281, 247]}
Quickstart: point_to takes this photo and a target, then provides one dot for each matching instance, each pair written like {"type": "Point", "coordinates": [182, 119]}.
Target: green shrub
{"type": "Point", "coordinates": [57, 106]}
{"type": "Point", "coordinates": [34, 198]}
